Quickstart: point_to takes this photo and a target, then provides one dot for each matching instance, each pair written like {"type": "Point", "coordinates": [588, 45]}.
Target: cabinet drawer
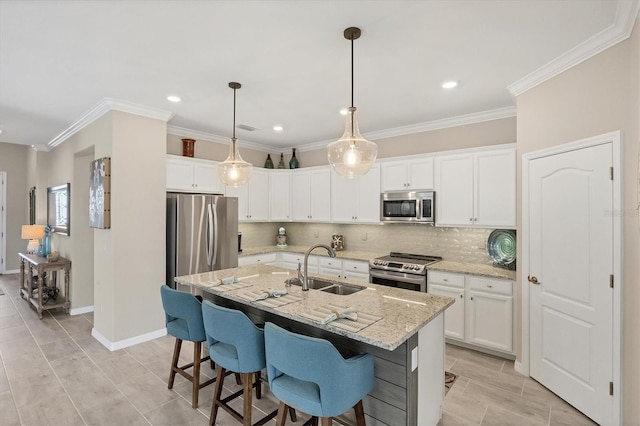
{"type": "Point", "coordinates": [296, 257]}
{"type": "Point", "coordinates": [355, 266]}
{"type": "Point", "coordinates": [445, 278]}
{"type": "Point", "coordinates": [329, 262]}
{"type": "Point", "coordinates": [489, 285]}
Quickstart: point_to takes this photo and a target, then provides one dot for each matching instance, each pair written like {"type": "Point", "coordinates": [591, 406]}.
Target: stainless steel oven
{"type": "Point", "coordinates": [401, 270]}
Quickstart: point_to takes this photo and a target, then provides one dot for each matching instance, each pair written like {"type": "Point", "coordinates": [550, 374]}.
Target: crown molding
{"type": "Point", "coordinates": [461, 120]}
{"type": "Point", "coordinates": [620, 30]}
{"type": "Point", "coordinates": [103, 107]}
{"type": "Point", "coordinates": [183, 132]}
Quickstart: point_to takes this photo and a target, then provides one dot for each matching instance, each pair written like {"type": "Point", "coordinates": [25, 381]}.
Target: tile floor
{"type": "Point", "coordinates": [53, 372]}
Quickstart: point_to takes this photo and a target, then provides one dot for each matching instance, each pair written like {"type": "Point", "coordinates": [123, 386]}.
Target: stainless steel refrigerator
{"type": "Point", "coordinates": [202, 234]}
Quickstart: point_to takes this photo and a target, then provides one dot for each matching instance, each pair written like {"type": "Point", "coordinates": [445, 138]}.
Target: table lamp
{"type": "Point", "coordinates": [33, 233]}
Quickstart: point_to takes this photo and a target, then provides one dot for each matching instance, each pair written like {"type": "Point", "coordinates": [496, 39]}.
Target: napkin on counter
{"type": "Point", "coordinates": [228, 280]}
{"type": "Point", "coordinates": [348, 313]}
{"type": "Point", "coordinates": [270, 293]}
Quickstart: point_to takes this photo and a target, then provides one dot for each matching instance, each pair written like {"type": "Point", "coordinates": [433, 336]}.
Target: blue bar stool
{"type": "Point", "coordinates": [183, 315]}
{"type": "Point", "coordinates": [310, 375]}
{"type": "Point", "coordinates": [237, 345]}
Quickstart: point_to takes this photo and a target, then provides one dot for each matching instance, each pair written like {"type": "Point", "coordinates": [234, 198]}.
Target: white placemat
{"type": "Point", "coordinates": [216, 286]}
{"type": "Point", "coordinates": [273, 302]}
{"type": "Point", "coordinates": [364, 319]}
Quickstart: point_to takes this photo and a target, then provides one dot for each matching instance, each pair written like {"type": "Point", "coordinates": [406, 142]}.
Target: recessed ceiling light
{"type": "Point", "coordinates": [343, 111]}
{"type": "Point", "coordinates": [449, 84]}
{"type": "Point", "coordinates": [278, 128]}
{"type": "Point", "coordinates": [173, 98]}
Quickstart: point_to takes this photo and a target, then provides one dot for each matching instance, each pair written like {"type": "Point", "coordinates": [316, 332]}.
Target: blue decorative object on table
{"type": "Point", "coordinates": [46, 242]}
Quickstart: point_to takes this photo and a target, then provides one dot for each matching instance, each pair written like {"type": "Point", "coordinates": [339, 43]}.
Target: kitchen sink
{"type": "Point", "coordinates": [343, 289]}
{"type": "Point", "coordinates": [328, 286]}
{"type": "Point", "coordinates": [314, 283]}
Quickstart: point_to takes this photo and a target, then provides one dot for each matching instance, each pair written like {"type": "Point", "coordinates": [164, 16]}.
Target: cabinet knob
{"type": "Point", "coordinates": [470, 219]}
{"type": "Point", "coordinates": [489, 285]}
{"type": "Point", "coordinates": [471, 297]}
{"type": "Point", "coordinates": [445, 279]}
{"type": "Point", "coordinates": [460, 295]}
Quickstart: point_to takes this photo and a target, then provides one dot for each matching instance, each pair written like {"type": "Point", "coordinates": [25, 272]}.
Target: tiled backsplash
{"type": "Point", "coordinates": [456, 244]}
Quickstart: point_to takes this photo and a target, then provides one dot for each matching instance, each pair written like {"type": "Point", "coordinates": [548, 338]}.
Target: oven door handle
{"type": "Point", "coordinates": [397, 276]}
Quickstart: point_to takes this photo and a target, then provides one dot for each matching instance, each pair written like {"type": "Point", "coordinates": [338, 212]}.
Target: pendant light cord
{"type": "Point", "coordinates": [351, 72]}
{"type": "Point", "coordinates": [234, 114]}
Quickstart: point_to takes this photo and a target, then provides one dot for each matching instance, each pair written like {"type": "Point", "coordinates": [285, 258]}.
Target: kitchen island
{"type": "Point", "coordinates": [403, 329]}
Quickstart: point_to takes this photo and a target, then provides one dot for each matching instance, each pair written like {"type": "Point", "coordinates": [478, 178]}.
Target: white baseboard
{"type": "Point", "coordinates": [80, 311]}
{"type": "Point", "coordinates": [114, 346]}
{"type": "Point", "coordinates": [11, 271]}
{"type": "Point", "coordinates": [517, 366]}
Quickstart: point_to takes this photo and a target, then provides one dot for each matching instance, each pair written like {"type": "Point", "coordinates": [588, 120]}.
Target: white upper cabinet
{"type": "Point", "coordinates": [407, 174]}
{"type": "Point", "coordinates": [311, 195]}
{"type": "Point", "coordinates": [476, 189]}
{"type": "Point", "coordinates": [253, 197]}
{"type": "Point", "coordinates": [193, 175]}
{"type": "Point", "coordinates": [356, 200]}
{"type": "Point", "coordinates": [280, 191]}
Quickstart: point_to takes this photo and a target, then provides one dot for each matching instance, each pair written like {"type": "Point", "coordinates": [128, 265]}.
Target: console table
{"type": "Point", "coordinates": [47, 296]}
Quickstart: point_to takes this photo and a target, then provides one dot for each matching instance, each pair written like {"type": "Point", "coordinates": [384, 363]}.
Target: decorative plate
{"type": "Point", "coordinates": [501, 246]}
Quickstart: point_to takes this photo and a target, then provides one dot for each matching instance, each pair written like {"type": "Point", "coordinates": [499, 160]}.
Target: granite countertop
{"type": "Point", "coordinates": [402, 312]}
{"type": "Point", "coordinates": [342, 254]}
{"type": "Point", "coordinates": [473, 269]}
{"type": "Point", "coordinates": [444, 265]}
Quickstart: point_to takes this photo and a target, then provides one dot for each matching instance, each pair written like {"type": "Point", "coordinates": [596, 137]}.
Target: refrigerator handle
{"type": "Point", "coordinates": [212, 235]}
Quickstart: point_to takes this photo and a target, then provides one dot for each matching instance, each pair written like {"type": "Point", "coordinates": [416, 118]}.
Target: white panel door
{"type": "Point", "coordinates": [455, 314]}
{"type": "Point", "coordinates": [454, 190]}
{"type": "Point", "coordinates": [259, 195]}
{"type": "Point", "coordinates": [320, 190]}
{"type": "Point", "coordinates": [495, 188]}
{"type": "Point", "coordinates": [571, 256]}
{"type": "Point", "coordinates": [205, 176]}
{"type": "Point", "coordinates": [300, 195]}
{"type": "Point", "coordinates": [490, 320]}
{"type": "Point", "coordinates": [394, 176]}
{"type": "Point", "coordinates": [343, 198]}
{"type": "Point", "coordinates": [3, 214]}
{"type": "Point", "coordinates": [280, 190]}
{"type": "Point", "coordinates": [420, 173]}
{"type": "Point", "coordinates": [368, 204]}
{"type": "Point", "coordinates": [179, 174]}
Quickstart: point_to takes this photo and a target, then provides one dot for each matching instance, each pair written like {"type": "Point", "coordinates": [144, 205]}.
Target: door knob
{"type": "Point", "coordinates": [533, 280]}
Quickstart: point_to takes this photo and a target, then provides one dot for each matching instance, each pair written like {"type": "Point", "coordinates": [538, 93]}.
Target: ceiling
{"type": "Point", "coordinates": [59, 59]}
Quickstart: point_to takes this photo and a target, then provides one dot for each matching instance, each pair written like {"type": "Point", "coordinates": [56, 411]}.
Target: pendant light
{"type": "Point", "coordinates": [234, 171]}
{"type": "Point", "coordinates": [352, 155]}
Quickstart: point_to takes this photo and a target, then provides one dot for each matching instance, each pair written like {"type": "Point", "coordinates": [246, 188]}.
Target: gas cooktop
{"type": "Point", "coordinates": [404, 262]}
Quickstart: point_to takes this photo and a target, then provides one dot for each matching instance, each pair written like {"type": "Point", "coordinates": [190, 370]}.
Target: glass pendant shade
{"type": "Point", "coordinates": [234, 171]}
{"type": "Point", "coordinates": [352, 155]}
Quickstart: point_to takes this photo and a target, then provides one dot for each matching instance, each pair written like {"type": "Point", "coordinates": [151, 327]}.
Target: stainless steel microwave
{"type": "Point", "coordinates": [407, 207]}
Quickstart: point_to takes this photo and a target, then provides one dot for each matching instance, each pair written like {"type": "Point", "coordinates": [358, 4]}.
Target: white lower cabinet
{"type": "Point", "coordinates": [265, 259]}
{"type": "Point", "coordinates": [291, 261]}
{"type": "Point", "coordinates": [324, 265]}
{"type": "Point", "coordinates": [482, 314]}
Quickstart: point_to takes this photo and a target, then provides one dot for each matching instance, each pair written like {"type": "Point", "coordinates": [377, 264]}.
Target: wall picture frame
{"type": "Point", "coordinates": [100, 193]}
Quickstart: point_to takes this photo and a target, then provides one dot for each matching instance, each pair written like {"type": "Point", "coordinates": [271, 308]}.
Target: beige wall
{"type": "Point", "coordinates": [493, 132]}
{"type": "Point", "coordinates": [117, 271]}
{"type": "Point", "coordinates": [598, 96]}
{"type": "Point", "coordinates": [13, 161]}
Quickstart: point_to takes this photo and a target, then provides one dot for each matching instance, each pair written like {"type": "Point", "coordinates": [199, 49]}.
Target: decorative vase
{"type": "Point", "coordinates": [188, 147]}
{"type": "Point", "coordinates": [269, 163]}
{"type": "Point", "coordinates": [281, 163]}
{"type": "Point", "coordinates": [46, 245]}
{"type": "Point", "coordinates": [293, 163]}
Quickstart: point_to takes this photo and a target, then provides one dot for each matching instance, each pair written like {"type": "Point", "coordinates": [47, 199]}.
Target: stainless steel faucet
{"type": "Point", "coordinates": [303, 276]}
